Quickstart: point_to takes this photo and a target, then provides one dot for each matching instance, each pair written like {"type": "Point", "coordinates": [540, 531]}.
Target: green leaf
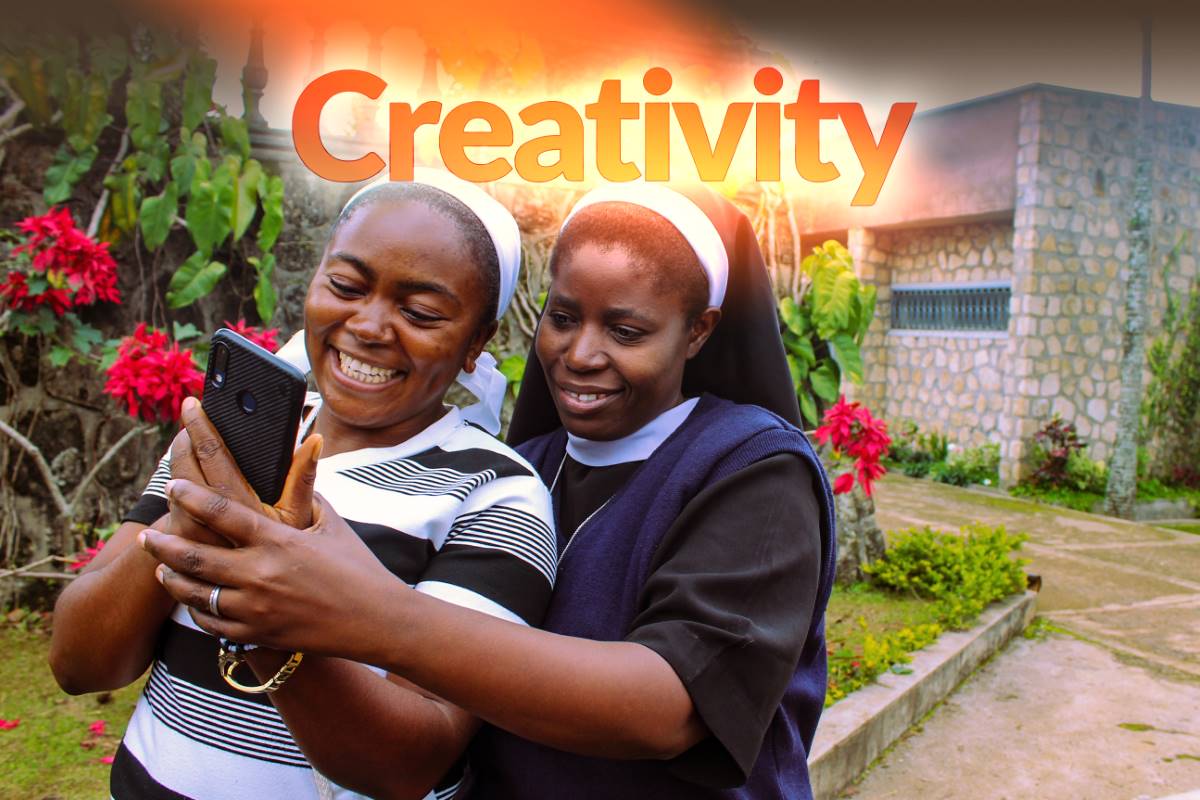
{"type": "Point", "coordinates": [801, 346]}
{"type": "Point", "coordinates": [85, 337]}
{"type": "Point", "coordinates": [206, 220]}
{"type": "Point", "coordinates": [789, 312]}
{"type": "Point", "coordinates": [36, 283]}
{"type": "Point", "coordinates": [123, 198]}
{"type": "Point", "coordinates": [264, 289]}
{"type": "Point", "coordinates": [194, 279]}
{"type": "Point", "coordinates": [192, 149]}
{"type": "Point", "coordinates": [513, 368]}
{"type": "Point", "coordinates": [867, 298]}
{"type": "Point", "coordinates": [245, 198]}
{"type": "Point", "coordinates": [182, 333]}
{"type": "Point", "coordinates": [849, 360]}
{"type": "Point", "coordinates": [60, 356]}
{"type": "Point", "coordinates": [197, 90]}
{"type": "Point", "coordinates": [108, 58]}
{"type": "Point", "coordinates": [270, 194]}
{"type": "Point", "coordinates": [158, 215]}
{"type": "Point", "coordinates": [808, 407]}
{"type": "Point", "coordinates": [153, 160]}
{"type": "Point", "coordinates": [235, 136]}
{"type": "Point", "coordinates": [66, 171]}
{"type": "Point", "coordinates": [825, 381]}
{"type": "Point", "coordinates": [794, 368]}
{"type": "Point", "coordinates": [143, 112]}
{"type": "Point", "coordinates": [84, 109]}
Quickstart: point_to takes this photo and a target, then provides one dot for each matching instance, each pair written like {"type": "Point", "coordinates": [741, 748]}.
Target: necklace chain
{"type": "Point", "coordinates": [575, 535]}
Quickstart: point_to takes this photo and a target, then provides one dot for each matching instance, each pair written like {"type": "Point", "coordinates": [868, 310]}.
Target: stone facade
{"type": "Point", "coordinates": [1064, 246]}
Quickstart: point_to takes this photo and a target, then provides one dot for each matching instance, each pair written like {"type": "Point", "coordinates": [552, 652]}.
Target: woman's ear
{"type": "Point", "coordinates": [482, 337]}
{"type": "Point", "coordinates": [702, 327]}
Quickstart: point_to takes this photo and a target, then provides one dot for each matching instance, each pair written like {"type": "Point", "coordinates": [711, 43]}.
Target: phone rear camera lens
{"type": "Point", "coordinates": [218, 379]}
{"type": "Point", "coordinates": [247, 402]}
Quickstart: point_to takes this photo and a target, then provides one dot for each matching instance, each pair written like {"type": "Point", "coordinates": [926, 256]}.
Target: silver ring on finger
{"type": "Point", "coordinates": [214, 598]}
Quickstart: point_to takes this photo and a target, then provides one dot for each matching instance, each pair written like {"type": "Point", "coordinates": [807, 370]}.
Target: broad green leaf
{"type": "Point", "coordinates": [790, 314]}
{"type": "Point", "coordinates": [235, 136]}
{"type": "Point", "coordinates": [206, 219]}
{"type": "Point", "coordinates": [513, 368]}
{"type": "Point", "coordinates": [108, 58]}
{"type": "Point", "coordinates": [270, 194]}
{"type": "Point", "coordinates": [60, 356]}
{"type": "Point", "coordinates": [194, 279]}
{"type": "Point", "coordinates": [181, 333]}
{"type": "Point", "coordinates": [66, 171]}
{"type": "Point", "coordinates": [849, 360]}
{"type": "Point", "coordinates": [264, 289]}
{"type": "Point", "coordinates": [801, 346]}
{"type": "Point", "coordinates": [844, 287]}
{"type": "Point", "coordinates": [153, 160]}
{"type": "Point", "coordinates": [867, 298]}
{"type": "Point", "coordinates": [794, 368]}
{"type": "Point", "coordinates": [825, 381]}
{"type": "Point", "coordinates": [143, 112]}
{"type": "Point", "coordinates": [197, 90]}
{"type": "Point", "coordinates": [36, 283]}
{"type": "Point", "coordinates": [245, 197]}
{"type": "Point", "coordinates": [158, 215]}
{"type": "Point", "coordinates": [808, 407]}
{"type": "Point", "coordinates": [123, 196]}
{"type": "Point", "coordinates": [84, 337]}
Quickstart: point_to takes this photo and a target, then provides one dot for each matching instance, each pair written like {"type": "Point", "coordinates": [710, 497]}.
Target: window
{"type": "Point", "coordinates": [951, 307]}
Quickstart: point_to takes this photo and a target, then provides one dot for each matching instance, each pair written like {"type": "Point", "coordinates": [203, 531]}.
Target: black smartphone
{"type": "Point", "coordinates": [254, 399]}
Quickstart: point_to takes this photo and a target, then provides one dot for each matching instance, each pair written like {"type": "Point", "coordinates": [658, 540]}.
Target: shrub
{"type": "Point", "coordinates": [1059, 496]}
{"type": "Point", "coordinates": [910, 446]}
{"type": "Point", "coordinates": [915, 469]}
{"type": "Point", "coordinates": [1052, 449]}
{"type": "Point", "coordinates": [970, 465]}
{"type": "Point", "coordinates": [1085, 475]}
{"type": "Point", "coordinates": [849, 671]}
{"type": "Point", "coordinates": [963, 573]}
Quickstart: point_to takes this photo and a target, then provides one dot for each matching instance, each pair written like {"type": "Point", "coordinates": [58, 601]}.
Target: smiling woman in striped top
{"type": "Point", "coordinates": [406, 296]}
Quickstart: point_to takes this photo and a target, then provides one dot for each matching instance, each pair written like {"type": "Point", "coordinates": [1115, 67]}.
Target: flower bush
{"type": "Point", "coordinates": [151, 375]}
{"type": "Point", "coordinates": [964, 572]}
{"type": "Point", "coordinates": [58, 266]}
{"type": "Point", "coordinates": [853, 434]}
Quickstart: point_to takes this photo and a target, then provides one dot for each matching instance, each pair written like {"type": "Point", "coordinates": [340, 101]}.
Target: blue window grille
{"type": "Point", "coordinates": [955, 307]}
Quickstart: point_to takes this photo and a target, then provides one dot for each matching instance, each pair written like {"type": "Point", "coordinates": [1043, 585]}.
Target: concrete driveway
{"type": "Point", "coordinates": [1105, 704]}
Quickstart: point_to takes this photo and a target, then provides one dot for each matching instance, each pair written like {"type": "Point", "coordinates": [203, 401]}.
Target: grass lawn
{"type": "Point", "coordinates": [1186, 527]}
{"type": "Point", "coordinates": [52, 753]}
{"type": "Point", "coordinates": [884, 613]}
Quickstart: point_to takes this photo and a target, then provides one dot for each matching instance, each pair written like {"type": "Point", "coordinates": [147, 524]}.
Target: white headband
{"type": "Point", "coordinates": [486, 382]}
{"type": "Point", "coordinates": [682, 213]}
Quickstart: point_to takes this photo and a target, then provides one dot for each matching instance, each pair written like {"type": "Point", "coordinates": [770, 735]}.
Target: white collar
{"type": "Point", "coordinates": [637, 446]}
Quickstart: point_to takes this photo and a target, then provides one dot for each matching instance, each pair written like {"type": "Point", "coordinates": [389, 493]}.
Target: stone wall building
{"type": "Point", "coordinates": [1025, 194]}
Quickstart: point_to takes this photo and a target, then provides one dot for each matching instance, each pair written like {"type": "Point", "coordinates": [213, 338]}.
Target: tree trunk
{"type": "Point", "coordinates": [1122, 471]}
{"type": "Point", "coordinates": [859, 539]}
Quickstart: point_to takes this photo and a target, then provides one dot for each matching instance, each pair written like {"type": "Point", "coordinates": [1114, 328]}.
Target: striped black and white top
{"type": "Point", "coordinates": [452, 511]}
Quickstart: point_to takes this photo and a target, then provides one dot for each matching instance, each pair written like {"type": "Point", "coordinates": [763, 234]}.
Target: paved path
{"type": "Point", "coordinates": [1108, 707]}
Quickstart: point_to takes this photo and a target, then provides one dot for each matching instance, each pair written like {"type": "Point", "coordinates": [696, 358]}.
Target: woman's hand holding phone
{"type": "Point", "coordinates": [199, 455]}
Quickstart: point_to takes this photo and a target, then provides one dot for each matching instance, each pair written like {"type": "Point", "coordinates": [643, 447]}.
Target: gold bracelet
{"type": "Point", "coordinates": [228, 662]}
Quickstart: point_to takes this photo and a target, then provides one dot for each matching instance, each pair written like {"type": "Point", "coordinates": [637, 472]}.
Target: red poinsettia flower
{"type": "Point", "coordinates": [265, 338]}
{"type": "Point", "coordinates": [15, 294]}
{"type": "Point", "coordinates": [849, 428]}
{"type": "Point", "coordinates": [152, 375]}
{"type": "Point", "coordinates": [843, 483]}
{"type": "Point", "coordinates": [78, 267]}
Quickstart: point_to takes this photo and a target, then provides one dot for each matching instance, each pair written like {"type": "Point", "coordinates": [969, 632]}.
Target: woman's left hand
{"type": "Point", "coordinates": [310, 590]}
